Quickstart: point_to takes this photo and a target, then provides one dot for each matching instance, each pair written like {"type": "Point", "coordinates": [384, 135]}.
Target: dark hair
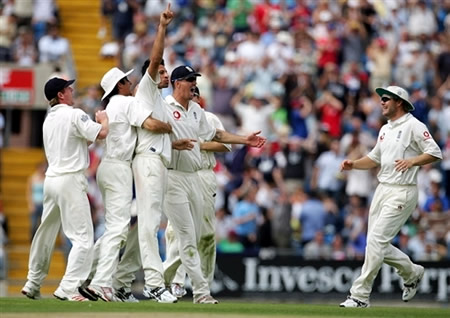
{"type": "Point", "coordinates": [147, 64]}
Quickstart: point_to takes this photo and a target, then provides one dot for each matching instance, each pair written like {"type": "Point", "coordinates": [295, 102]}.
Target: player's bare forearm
{"type": "Point", "coordinates": [423, 159]}
{"type": "Point", "coordinates": [252, 140]}
{"type": "Point", "coordinates": [213, 146]}
{"type": "Point", "coordinates": [183, 144]}
{"type": "Point", "coordinates": [157, 126]}
{"type": "Point", "coordinates": [363, 163]}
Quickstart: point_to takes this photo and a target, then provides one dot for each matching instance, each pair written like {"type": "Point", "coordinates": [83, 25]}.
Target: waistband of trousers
{"type": "Point", "coordinates": [119, 161]}
{"type": "Point", "coordinates": [398, 185]}
{"type": "Point", "coordinates": [173, 171]}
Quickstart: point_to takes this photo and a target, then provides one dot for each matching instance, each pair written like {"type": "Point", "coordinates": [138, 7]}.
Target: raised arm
{"type": "Point", "coordinates": [157, 51]}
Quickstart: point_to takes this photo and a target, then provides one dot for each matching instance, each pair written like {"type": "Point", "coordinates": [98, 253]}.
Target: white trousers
{"type": "Point", "coordinates": [184, 208]}
{"type": "Point", "coordinates": [130, 262]}
{"type": "Point", "coordinates": [150, 177]}
{"type": "Point", "coordinates": [115, 180]}
{"type": "Point", "coordinates": [207, 243]}
{"type": "Point", "coordinates": [391, 207]}
{"type": "Point", "coordinates": [65, 203]}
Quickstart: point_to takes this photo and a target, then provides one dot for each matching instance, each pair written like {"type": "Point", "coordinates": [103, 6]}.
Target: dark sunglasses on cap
{"type": "Point", "coordinates": [189, 79]}
{"type": "Point", "coordinates": [385, 99]}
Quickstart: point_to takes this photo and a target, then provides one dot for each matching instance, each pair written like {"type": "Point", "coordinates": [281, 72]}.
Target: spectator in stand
{"type": "Point", "coordinates": [53, 48]}
{"type": "Point", "coordinates": [7, 32]}
{"type": "Point", "coordinates": [23, 10]}
{"type": "Point", "coordinates": [245, 215]}
{"type": "Point", "coordinates": [312, 217]}
{"type": "Point", "coordinates": [419, 100]}
{"type": "Point", "coordinates": [296, 154]}
{"type": "Point", "coordinates": [239, 10]}
{"type": "Point", "coordinates": [326, 177]}
{"type": "Point", "coordinates": [436, 196]}
{"type": "Point", "coordinates": [422, 19]}
{"type": "Point", "coordinates": [44, 14]}
{"type": "Point", "coordinates": [24, 50]}
{"type": "Point", "coordinates": [381, 58]}
{"type": "Point", "coordinates": [36, 196]}
{"type": "Point", "coordinates": [317, 249]}
{"type": "Point", "coordinates": [254, 111]}
{"type": "Point", "coordinates": [338, 252]}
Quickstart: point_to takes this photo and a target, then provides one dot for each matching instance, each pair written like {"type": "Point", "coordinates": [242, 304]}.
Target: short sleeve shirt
{"type": "Point", "coordinates": [66, 133]}
{"type": "Point", "coordinates": [125, 113]}
{"type": "Point", "coordinates": [208, 158]}
{"type": "Point", "coordinates": [148, 142]}
{"type": "Point", "coordinates": [192, 124]}
{"type": "Point", "coordinates": [403, 138]}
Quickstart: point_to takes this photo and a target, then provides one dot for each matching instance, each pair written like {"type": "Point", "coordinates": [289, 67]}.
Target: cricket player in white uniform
{"type": "Point", "coordinates": [183, 202]}
{"type": "Point", "coordinates": [153, 155]}
{"type": "Point", "coordinates": [207, 244]}
{"type": "Point", "coordinates": [66, 132]}
{"type": "Point", "coordinates": [115, 177]}
{"type": "Point", "coordinates": [404, 144]}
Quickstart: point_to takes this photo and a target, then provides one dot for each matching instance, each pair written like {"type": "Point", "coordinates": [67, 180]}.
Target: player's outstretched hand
{"type": "Point", "coordinates": [183, 144]}
{"type": "Point", "coordinates": [347, 165]}
{"type": "Point", "coordinates": [254, 140]}
{"type": "Point", "coordinates": [166, 16]}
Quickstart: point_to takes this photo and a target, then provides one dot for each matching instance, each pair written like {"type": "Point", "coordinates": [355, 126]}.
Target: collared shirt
{"type": "Point", "coordinates": [403, 138]}
{"type": "Point", "coordinates": [148, 142]}
{"type": "Point", "coordinates": [208, 158]}
{"type": "Point", "coordinates": [192, 124]}
{"type": "Point", "coordinates": [66, 131]}
{"type": "Point", "coordinates": [125, 113]}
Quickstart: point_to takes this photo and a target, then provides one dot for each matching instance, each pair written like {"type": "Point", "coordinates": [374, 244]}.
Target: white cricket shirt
{"type": "Point", "coordinates": [125, 113]}
{"type": "Point", "coordinates": [208, 158]}
{"type": "Point", "coordinates": [150, 97]}
{"type": "Point", "coordinates": [66, 131]}
{"type": "Point", "coordinates": [403, 138]}
{"type": "Point", "coordinates": [192, 124]}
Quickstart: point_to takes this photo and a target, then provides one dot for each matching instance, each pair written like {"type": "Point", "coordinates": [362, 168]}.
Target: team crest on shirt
{"type": "Point", "coordinates": [382, 137]}
{"type": "Point", "coordinates": [195, 115]}
{"type": "Point", "coordinates": [84, 118]}
{"type": "Point", "coordinates": [176, 115]}
{"type": "Point", "coordinates": [426, 135]}
{"type": "Point", "coordinates": [399, 135]}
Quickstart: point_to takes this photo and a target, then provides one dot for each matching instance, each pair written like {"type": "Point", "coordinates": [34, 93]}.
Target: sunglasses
{"type": "Point", "coordinates": [385, 99]}
{"type": "Point", "coordinates": [189, 79]}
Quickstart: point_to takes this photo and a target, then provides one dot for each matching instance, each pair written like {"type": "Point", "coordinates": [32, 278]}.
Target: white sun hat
{"type": "Point", "coordinates": [111, 78]}
{"type": "Point", "coordinates": [397, 92]}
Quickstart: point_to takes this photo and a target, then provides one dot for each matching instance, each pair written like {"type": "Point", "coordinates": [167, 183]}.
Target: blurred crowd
{"type": "Point", "coordinates": [304, 73]}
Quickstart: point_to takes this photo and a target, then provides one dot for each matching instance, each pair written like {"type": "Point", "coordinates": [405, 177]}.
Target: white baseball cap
{"type": "Point", "coordinates": [397, 92]}
{"type": "Point", "coordinates": [111, 78]}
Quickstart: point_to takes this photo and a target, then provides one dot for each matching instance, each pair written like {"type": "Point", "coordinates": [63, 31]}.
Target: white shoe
{"type": "Point", "coordinates": [410, 290]}
{"type": "Point", "coordinates": [351, 302]}
{"type": "Point", "coordinates": [104, 293]}
{"type": "Point", "coordinates": [178, 290]}
{"type": "Point", "coordinates": [31, 291]}
{"type": "Point", "coordinates": [160, 294]}
{"type": "Point", "coordinates": [207, 299]}
{"type": "Point", "coordinates": [125, 295]}
{"type": "Point", "coordinates": [61, 295]}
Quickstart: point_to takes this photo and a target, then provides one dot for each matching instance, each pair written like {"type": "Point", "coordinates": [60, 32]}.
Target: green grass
{"type": "Point", "coordinates": [21, 305]}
